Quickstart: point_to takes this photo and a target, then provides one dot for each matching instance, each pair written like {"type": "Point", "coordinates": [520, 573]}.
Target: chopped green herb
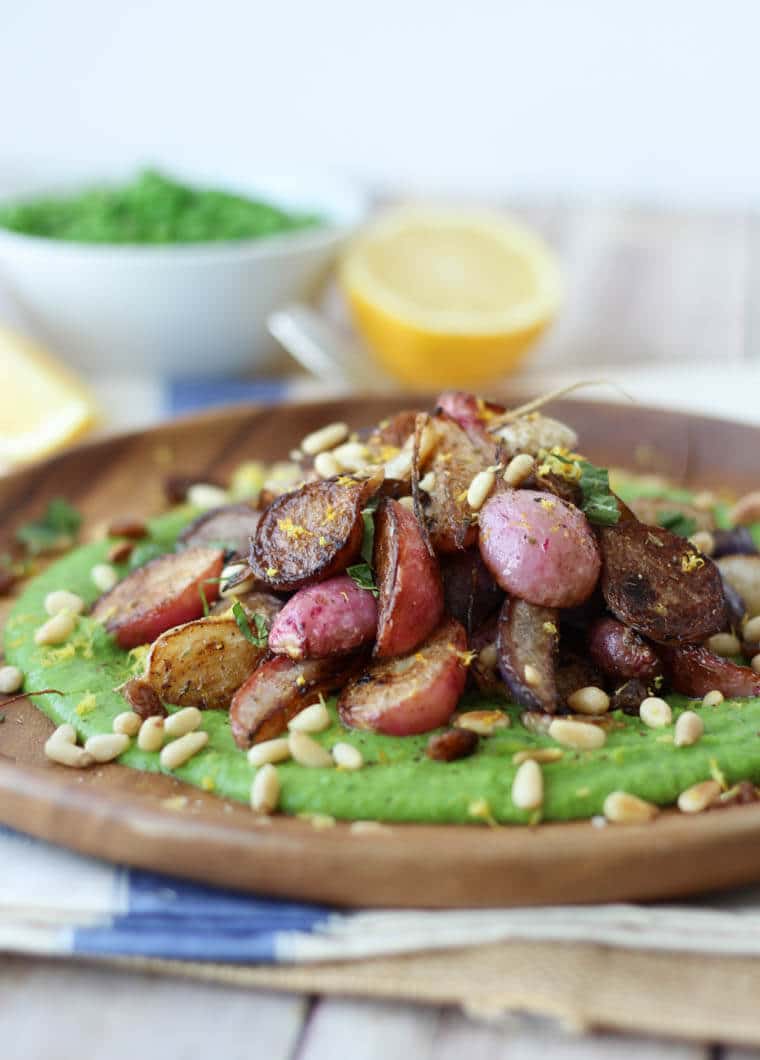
{"type": "Point", "coordinates": [677, 523]}
{"type": "Point", "coordinates": [361, 573]}
{"type": "Point", "coordinates": [261, 637]}
{"type": "Point", "coordinates": [202, 591]}
{"type": "Point", "coordinates": [599, 502]}
{"type": "Point", "coordinates": [57, 528]}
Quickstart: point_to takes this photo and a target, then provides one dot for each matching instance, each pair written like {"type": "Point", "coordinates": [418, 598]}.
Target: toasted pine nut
{"type": "Point", "coordinates": [265, 790]}
{"type": "Point", "coordinates": [751, 631]}
{"type": "Point", "coordinates": [407, 502]}
{"type": "Point", "coordinates": [176, 753]}
{"type": "Point", "coordinates": [724, 644]}
{"type": "Point", "coordinates": [325, 438]}
{"type": "Point", "coordinates": [106, 746]}
{"type": "Point", "coordinates": [151, 734]}
{"type": "Point", "coordinates": [528, 786]}
{"type": "Point", "coordinates": [622, 808]}
{"type": "Point", "coordinates": [186, 720]}
{"type": "Point", "coordinates": [531, 675]}
{"type": "Point", "coordinates": [127, 723]}
{"type": "Point", "coordinates": [352, 456]}
{"type": "Point", "coordinates": [579, 735]}
{"type": "Point", "coordinates": [699, 796]}
{"type": "Point", "coordinates": [11, 679]}
{"type": "Point", "coordinates": [704, 542]}
{"type": "Point", "coordinates": [489, 656]}
{"type": "Point", "coordinates": [204, 495]}
{"type": "Point", "coordinates": [66, 753]}
{"type": "Point", "coordinates": [427, 482]}
{"type": "Point", "coordinates": [655, 712]}
{"type": "Point", "coordinates": [315, 718]}
{"type": "Point", "coordinates": [518, 469]}
{"type": "Point", "coordinates": [400, 466]}
{"type": "Point", "coordinates": [65, 733]}
{"type": "Point", "coordinates": [538, 754]}
{"type": "Point", "coordinates": [347, 756]}
{"type": "Point", "coordinates": [326, 465]}
{"type": "Point", "coordinates": [269, 751]}
{"type": "Point", "coordinates": [104, 576]}
{"type": "Point", "coordinates": [62, 600]}
{"type": "Point", "coordinates": [308, 752]}
{"type": "Point", "coordinates": [755, 664]}
{"type": "Point", "coordinates": [589, 700]}
{"type": "Point", "coordinates": [57, 629]}
{"type": "Point", "coordinates": [480, 487]}
{"type": "Point", "coordinates": [482, 722]}
{"type": "Point", "coordinates": [713, 699]}
{"type": "Point", "coordinates": [689, 729]}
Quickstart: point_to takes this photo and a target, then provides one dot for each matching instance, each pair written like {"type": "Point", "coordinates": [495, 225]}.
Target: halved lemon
{"type": "Point", "coordinates": [42, 405]}
{"type": "Point", "coordinates": [449, 297]}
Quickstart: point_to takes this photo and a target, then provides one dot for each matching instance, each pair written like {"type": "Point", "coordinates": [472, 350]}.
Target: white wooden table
{"type": "Point", "coordinates": [666, 303]}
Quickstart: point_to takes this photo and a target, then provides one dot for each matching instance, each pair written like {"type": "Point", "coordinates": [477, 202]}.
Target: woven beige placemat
{"type": "Point", "coordinates": [585, 987]}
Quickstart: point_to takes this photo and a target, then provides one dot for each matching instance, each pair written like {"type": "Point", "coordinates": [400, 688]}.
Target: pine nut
{"type": "Point", "coordinates": [151, 734]}
{"type": "Point", "coordinates": [62, 600]}
{"type": "Point", "coordinates": [186, 720]}
{"type": "Point", "coordinates": [528, 786]}
{"type": "Point", "coordinates": [703, 541]}
{"type": "Point", "coordinates": [128, 723]}
{"type": "Point", "coordinates": [589, 700]}
{"type": "Point", "coordinates": [57, 629]}
{"type": "Point", "coordinates": [655, 712]}
{"type": "Point", "coordinates": [622, 808]}
{"type": "Point", "coordinates": [689, 729]}
{"type": "Point", "coordinates": [518, 469]}
{"type": "Point", "coordinates": [489, 656]}
{"type": "Point", "coordinates": [65, 733]}
{"type": "Point", "coordinates": [104, 577]}
{"type": "Point", "coordinates": [699, 796]}
{"type": "Point", "coordinates": [265, 790]}
{"type": "Point", "coordinates": [755, 664]}
{"type": "Point", "coordinates": [11, 679]}
{"type": "Point", "coordinates": [269, 751]}
{"type": "Point", "coordinates": [324, 438]}
{"type": "Point", "coordinates": [325, 465]}
{"type": "Point", "coordinates": [176, 753]}
{"type": "Point", "coordinates": [713, 699]}
{"type": "Point", "coordinates": [482, 722]}
{"type": "Point", "coordinates": [724, 644]}
{"type": "Point", "coordinates": [63, 750]}
{"type": "Point", "coordinates": [532, 676]}
{"type": "Point", "coordinates": [315, 718]}
{"type": "Point", "coordinates": [347, 756]}
{"type": "Point", "coordinates": [106, 746]}
{"type": "Point", "coordinates": [400, 466]}
{"type": "Point", "coordinates": [480, 487]}
{"type": "Point", "coordinates": [352, 456]}
{"type": "Point", "coordinates": [579, 735]}
{"type": "Point", "coordinates": [204, 495]}
{"type": "Point", "coordinates": [538, 754]}
{"type": "Point", "coordinates": [407, 502]}
{"type": "Point", "coordinates": [751, 630]}
{"type": "Point", "coordinates": [308, 752]}
{"type": "Point", "coordinates": [427, 482]}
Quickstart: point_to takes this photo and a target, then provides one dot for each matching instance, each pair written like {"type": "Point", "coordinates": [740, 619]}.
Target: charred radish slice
{"type": "Point", "coordinates": [470, 594]}
{"type": "Point", "coordinates": [165, 592]}
{"type": "Point", "coordinates": [484, 668]}
{"type": "Point", "coordinates": [201, 664]}
{"type": "Point", "coordinates": [621, 652]}
{"type": "Point", "coordinates": [411, 694]}
{"type": "Point", "coordinates": [230, 527]}
{"type": "Point", "coordinates": [527, 650]}
{"type": "Point", "coordinates": [333, 618]}
{"type": "Point", "coordinates": [411, 595]}
{"type": "Point", "coordinates": [658, 584]}
{"type": "Point", "coordinates": [279, 689]}
{"type": "Point", "coordinates": [311, 534]}
{"type": "Point", "coordinates": [695, 671]}
{"type": "Point", "coordinates": [539, 548]}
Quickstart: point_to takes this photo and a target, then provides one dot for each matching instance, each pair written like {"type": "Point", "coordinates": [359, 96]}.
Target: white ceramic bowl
{"type": "Point", "coordinates": [190, 309]}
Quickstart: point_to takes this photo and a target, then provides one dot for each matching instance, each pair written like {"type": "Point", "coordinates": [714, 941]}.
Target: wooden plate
{"type": "Point", "coordinates": [120, 814]}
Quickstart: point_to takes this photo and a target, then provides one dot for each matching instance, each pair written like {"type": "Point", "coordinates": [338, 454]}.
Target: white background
{"type": "Point", "coordinates": [652, 100]}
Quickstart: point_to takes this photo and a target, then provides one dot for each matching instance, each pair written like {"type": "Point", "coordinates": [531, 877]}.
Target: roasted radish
{"type": "Point", "coordinates": [230, 527]}
{"type": "Point", "coordinates": [412, 693]}
{"type": "Point", "coordinates": [539, 548]}
{"type": "Point", "coordinates": [527, 650]}
{"type": "Point", "coordinates": [695, 671]}
{"type": "Point", "coordinates": [333, 618]}
{"type": "Point", "coordinates": [311, 534]}
{"type": "Point", "coordinates": [166, 592]}
{"type": "Point", "coordinates": [621, 652]}
{"type": "Point", "coordinates": [409, 581]}
{"type": "Point", "coordinates": [472, 413]}
{"type": "Point", "coordinates": [470, 594]}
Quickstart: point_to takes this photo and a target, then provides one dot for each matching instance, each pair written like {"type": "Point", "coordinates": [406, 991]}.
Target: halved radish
{"type": "Point", "coordinates": [695, 671]}
{"type": "Point", "coordinates": [333, 618]}
{"type": "Point", "coordinates": [527, 647]}
{"type": "Point", "coordinates": [413, 693]}
{"type": "Point", "coordinates": [230, 527]}
{"type": "Point", "coordinates": [165, 592]}
{"type": "Point", "coordinates": [409, 580]}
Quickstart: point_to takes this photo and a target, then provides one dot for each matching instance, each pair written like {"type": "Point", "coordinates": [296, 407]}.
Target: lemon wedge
{"type": "Point", "coordinates": [42, 405]}
{"type": "Point", "coordinates": [445, 296]}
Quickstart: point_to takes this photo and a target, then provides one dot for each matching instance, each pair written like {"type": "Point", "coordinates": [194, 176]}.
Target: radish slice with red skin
{"type": "Point", "coordinates": [332, 618]}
